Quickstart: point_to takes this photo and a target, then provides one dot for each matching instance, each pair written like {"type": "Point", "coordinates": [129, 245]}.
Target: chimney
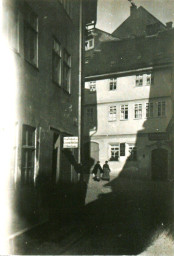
{"type": "Point", "coordinates": [169, 24]}
{"type": "Point", "coordinates": [133, 9]}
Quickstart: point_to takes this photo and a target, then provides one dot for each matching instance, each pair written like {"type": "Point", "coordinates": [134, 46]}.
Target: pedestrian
{"type": "Point", "coordinates": [106, 171]}
{"type": "Point", "coordinates": [97, 171]}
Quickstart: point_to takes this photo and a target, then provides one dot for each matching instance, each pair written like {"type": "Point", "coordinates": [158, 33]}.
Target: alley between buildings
{"type": "Point", "coordinates": [121, 217]}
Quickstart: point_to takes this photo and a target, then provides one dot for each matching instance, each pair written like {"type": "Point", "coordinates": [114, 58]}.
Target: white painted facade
{"type": "Point", "coordinates": [108, 129]}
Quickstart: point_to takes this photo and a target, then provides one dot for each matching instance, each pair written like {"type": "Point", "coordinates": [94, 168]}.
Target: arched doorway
{"type": "Point", "coordinates": [159, 164]}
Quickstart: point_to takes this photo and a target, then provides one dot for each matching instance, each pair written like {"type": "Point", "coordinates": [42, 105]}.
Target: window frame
{"type": "Point", "coordinates": [149, 109]}
{"type": "Point", "coordinates": [66, 65]}
{"type": "Point", "coordinates": [112, 113]}
{"type": "Point", "coordinates": [113, 84]}
{"type": "Point", "coordinates": [138, 79]}
{"type": "Point", "coordinates": [139, 113]}
{"type": "Point", "coordinates": [149, 75]}
{"type": "Point", "coordinates": [113, 156]}
{"type": "Point", "coordinates": [87, 44]}
{"type": "Point", "coordinates": [31, 32]}
{"type": "Point", "coordinates": [124, 107]}
{"type": "Point", "coordinates": [161, 108]}
{"type": "Point", "coordinates": [28, 149]}
{"type": "Point", "coordinates": [57, 55]}
{"type": "Point", "coordinates": [132, 152]}
{"type": "Point", "coordinates": [92, 86]}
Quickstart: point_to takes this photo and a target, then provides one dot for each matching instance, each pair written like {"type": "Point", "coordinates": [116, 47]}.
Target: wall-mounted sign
{"type": "Point", "coordinates": [158, 136]}
{"type": "Point", "coordinates": [70, 142]}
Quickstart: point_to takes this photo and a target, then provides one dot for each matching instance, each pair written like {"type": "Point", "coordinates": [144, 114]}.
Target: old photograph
{"type": "Point", "coordinates": [87, 127]}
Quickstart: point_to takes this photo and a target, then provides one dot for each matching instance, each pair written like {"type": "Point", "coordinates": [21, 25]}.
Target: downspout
{"type": "Point", "coordinates": [80, 80]}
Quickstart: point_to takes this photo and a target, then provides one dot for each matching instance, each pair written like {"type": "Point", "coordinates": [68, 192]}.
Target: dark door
{"type": "Point", "coordinates": [159, 164]}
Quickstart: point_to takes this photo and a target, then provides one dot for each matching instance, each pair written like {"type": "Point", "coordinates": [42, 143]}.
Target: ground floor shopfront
{"type": "Point", "coordinates": [141, 155]}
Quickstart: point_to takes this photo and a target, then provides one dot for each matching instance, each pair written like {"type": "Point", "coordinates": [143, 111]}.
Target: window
{"type": "Point", "coordinates": [112, 113]}
{"type": "Point", "coordinates": [12, 29]}
{"type": "Point", "coordinates": [66, 71]}
{"type": "Point", "coordinates": [138, 111]}
{"type": "Point", "coordinates": [31, 39]}
{"type": "Point", "coordinates": [132, 153]}
{"type": "Point", "coordinates": [139, 80]}
{"type": "Point", "coordinates": [92, 86]}
{"type": "Point", "coordinates": [124, 112]}
{"type": "Point", "coordinates": [149, 79]}
{"type": "Point", "coordinates": [161, 108]}
{"type": "Point", "coordinates": [89, 44]}
{"type": "Point", "coordinates": [149, 109]}
{"type": "Point", "coordinates": [90, 115]}
{"type": "Point", "coordinates": [114, 152]}
{"type": "Point", "coordinates": [28, 155]}
{"type": "Point", "coordinates": [56, 62]}
{"type": "Point", "coordinates": [113, 84]}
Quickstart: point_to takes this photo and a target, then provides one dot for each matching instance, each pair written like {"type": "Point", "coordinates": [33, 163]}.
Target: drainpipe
{"type": "Point", "coordinates": [80, 80]}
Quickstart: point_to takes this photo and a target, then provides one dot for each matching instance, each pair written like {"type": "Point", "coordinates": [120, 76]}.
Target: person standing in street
{"type": "Point", "coordinates": [106, 171]}
{"type": "Point", "coordinates": [97, 171]}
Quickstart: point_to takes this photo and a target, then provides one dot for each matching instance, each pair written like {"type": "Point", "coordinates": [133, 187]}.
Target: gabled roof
{"type": "Point", "coordinates": [129, 54]}
{"type": "Point", "coordinates": [136, 24]}
{"type": "Point", "coordinates": [102, 35]}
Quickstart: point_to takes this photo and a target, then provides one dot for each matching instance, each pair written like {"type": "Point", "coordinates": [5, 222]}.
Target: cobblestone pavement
{"type": "Point", "coordinates": [121, 217]}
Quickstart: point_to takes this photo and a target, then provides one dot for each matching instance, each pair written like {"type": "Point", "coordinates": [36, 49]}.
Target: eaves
{"type": "Point", "coordinates": [128, 72]}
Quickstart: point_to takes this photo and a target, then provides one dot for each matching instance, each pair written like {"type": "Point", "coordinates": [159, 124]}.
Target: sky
{"type": "Point", "coordinates": [111, 13]}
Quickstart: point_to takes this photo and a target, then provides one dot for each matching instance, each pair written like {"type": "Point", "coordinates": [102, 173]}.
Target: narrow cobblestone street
{"type": "Point", "coordinates": [120, 217]}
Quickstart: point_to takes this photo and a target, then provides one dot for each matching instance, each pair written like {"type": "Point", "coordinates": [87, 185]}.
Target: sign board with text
{"type": "Point", "coordinates": [70, 142]}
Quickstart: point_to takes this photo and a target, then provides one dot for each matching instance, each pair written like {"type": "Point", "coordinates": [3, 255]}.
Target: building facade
{"type": "Point", "coordinates": [43, 41]}
{"type": "Point", "coordinates": [128, 105]}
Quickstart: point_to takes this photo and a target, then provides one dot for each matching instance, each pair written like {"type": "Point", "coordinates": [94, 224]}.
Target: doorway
{"type": "Point", "coordinates": [159, 164]}
{"type": "Point", "coordinates": [55, 156]}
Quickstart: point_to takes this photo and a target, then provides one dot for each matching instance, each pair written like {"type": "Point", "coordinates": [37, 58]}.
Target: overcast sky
{"type": "Point", "coordinates": [111, 13]}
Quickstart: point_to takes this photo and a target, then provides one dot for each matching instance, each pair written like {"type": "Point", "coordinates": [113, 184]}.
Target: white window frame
{"type": "Point", "coordinates": [124, 112]}
{"type": "Point", "coordinates": [139, 80]}
{"type": "Point", "coordinates": [27, 175]}
{"type": "Point", "coordinates": [112, 113]}
{"type": "Point", "coordinates": [161, 108]}
{"type": "Point", "coordinates": [132, 148]}
{"type": "Point", "coordinates": [113, 84]}
{"type": "Point", "coordinates": [138, 111]}
{"type": "Point", "coordinates": [87, 44]}
{"type": "Point", "coordinates": [149, 79]}
{"type": "Point", "coordinates": [149, 109]}
{"type": "Point", "coordinates": [92, 86]}
{"type": "Point", "coordinates": [113, 150]}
